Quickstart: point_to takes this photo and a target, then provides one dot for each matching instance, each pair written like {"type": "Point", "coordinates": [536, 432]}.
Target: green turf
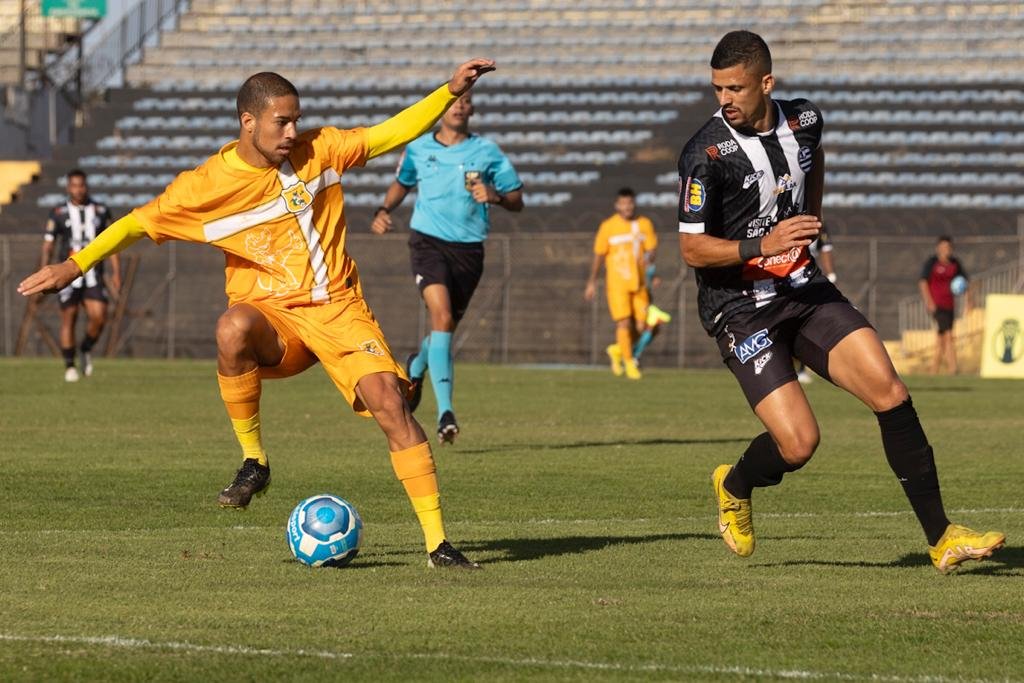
{"type": "Point", "coordinates": [586, 497]}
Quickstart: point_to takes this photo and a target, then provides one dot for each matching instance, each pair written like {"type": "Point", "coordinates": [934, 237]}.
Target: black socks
{"type": "Point", "coordinates": [87, 344]}
{"type": "Point", "coordinates": [911, 458]}
{"type": "Point", "coordinates": [760, 465]}
{"type": "Point", "coordinates": [69, 357]}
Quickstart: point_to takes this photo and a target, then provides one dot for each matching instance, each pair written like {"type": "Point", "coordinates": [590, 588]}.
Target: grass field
{"type": "Point", "coordinates": [586, 498]}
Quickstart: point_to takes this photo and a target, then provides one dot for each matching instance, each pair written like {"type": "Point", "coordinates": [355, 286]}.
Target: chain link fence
{"type": "Point", "coordinates": [529, 307]}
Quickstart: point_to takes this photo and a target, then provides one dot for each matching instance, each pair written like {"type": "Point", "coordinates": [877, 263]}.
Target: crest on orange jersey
{"type": "Point", "coordinates": [296, 197]}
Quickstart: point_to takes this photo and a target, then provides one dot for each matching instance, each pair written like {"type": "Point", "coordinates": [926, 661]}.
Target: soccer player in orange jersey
{"type": "Point", "coordinates": [273, 202]}
{"type": "Point", "coordinates": [624, 243]}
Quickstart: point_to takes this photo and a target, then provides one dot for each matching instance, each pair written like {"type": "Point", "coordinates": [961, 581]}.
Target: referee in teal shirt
{"type": "Point", "coordinates": [458, 176]}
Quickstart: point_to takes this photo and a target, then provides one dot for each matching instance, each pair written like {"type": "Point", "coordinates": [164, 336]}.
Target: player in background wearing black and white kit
{"type": "Point", "coordinates": [69, 228]}
{"type": "Point", "coordinates": [821, 251]}
{"type": "Point", "coordinates": [750, 206]}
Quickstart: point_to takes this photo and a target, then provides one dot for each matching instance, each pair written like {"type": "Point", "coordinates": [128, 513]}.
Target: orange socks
{"type": "Point", "coordinates": [414, 467]}
{"type": "Point", "coordinates": [241, 395]}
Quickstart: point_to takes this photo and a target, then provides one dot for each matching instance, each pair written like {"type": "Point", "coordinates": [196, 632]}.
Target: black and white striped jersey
{"type": "Point", "coordinates": [73, 226]}
{"type": "Point", "coordinates": [736, 186]}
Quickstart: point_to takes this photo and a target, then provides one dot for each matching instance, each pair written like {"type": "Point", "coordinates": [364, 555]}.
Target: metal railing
{"type": "Point", "coordinates": [529, 307]}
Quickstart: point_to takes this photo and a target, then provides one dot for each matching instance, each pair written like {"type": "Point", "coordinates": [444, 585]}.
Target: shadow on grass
{"type": "Point", "coordinates": [599, 444]}
{"type": "Point", "coordinates": [358, 563]}
{"type": "Point", "coordinates": [1005, 562]}
{"type": "Point", "coordinates": [524, 549]}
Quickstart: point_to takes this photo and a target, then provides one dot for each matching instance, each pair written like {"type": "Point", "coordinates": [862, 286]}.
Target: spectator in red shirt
{"type": "Point", "coordinates": [936, 289]}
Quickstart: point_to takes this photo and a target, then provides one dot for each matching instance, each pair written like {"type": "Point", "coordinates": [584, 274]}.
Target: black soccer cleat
{"type": "Point", "coordinates": [415, 384]}
{"type": "Point", "coordinates": [447, 428]}
{"type": "Point", "coordinates": [252, 478]}
{"type": "Point", "coordinates": [445, 555]}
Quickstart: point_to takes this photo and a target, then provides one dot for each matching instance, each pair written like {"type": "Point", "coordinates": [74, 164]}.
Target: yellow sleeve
{"type": "Point", "coordinates": [601, 241]}
{"type": "Point", "coordinates": [408, 124]}
{"type": "Point", "coordinates": [650, 237]}
{"type": "Point", "coordinates": [123, 233]}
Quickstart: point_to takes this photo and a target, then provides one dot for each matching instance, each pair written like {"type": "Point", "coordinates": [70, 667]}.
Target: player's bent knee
{"type": "Point", "coordinates": [234, 330]}
{"type": "Point", "coordinates": [894, 394]}
{"type": "Point", "coordinates": [797, 449]}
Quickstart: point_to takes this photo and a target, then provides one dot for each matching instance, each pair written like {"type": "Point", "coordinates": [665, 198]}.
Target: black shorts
{"type": "Point", "coordinates": [759, 348]}
{"type": "Point", "coordinates": [456, 265]}
{"type": "Point", "coordinates": [73, 296]}
{"type": "Point", "coordinates": [944, 317]}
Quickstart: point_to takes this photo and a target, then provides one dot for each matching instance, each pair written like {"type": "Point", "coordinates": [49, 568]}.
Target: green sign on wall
{"type": "Point", "coordinates": [81, 9]}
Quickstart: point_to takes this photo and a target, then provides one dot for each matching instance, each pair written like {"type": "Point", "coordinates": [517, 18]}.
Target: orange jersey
{"type": "Point", "coordinates": [623, 244]}
{"type": "Point", "coordinates": [282, 229]}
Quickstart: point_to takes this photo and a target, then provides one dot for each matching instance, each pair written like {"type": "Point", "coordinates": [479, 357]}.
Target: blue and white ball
{"type": "Point", "coordinates": [958, 285]}
{"type": "Point", "coordinates": [324, 531]}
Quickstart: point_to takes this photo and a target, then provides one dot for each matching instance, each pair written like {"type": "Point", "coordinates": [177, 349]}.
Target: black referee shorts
{"type": "Point", "coordinates": [759, 348]}
{"type": "Point", "coordinates": [73, 296]}
{"type": "Point", "coordinates": [456, 265]}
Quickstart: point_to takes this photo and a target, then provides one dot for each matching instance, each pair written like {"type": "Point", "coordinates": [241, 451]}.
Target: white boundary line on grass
{"type": "Point", "coordinates": [528, 522]}
{"type": "Point", "coordinates": [122, 642]}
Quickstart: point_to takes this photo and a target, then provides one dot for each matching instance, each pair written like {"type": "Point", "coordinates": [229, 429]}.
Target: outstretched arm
{"type": "Point", "coordinates": [119, 236]}
{"type": "Point", "coordinates": [416, 120]}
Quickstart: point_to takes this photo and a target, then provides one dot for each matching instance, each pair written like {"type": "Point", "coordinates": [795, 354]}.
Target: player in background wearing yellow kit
{"type": "Point", "coordinates": [625, 243]}
{"type": "Point", "coordinates": [272, 201]}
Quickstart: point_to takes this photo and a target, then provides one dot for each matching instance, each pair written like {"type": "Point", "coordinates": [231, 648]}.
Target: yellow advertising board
{"type": "Point", "coordinates": [1002, 352]}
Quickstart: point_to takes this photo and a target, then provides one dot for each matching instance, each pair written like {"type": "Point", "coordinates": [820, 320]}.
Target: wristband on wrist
{"type": "Point", "coordinates": [750, 248]}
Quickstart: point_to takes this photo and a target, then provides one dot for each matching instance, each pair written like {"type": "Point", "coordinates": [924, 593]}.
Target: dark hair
{"type": "Point", "coordinates": [944, 238]}
{"type": "Point", "coordinates": [626, 192]}
{"type": "Point", "coordinates": [75, 173]}
{"type": "Point", "coordinates": [742, 47]}
{"type": "Point", "coordinates": [259, 88]}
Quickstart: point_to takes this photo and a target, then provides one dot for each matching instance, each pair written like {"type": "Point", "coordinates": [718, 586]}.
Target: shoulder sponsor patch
{"type": "Point", "coordinates": [803, 157]}
{"type": "Point", "coordinates": [722, 149]}
{"type": "Point", "coordinates": [753, 345]}
{"type": "Point", "coordinates": [695, 195]}
{"type": "Point", "coordinates": [804, 119]}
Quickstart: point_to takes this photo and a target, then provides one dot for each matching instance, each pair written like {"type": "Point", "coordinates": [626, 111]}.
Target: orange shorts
{"type": "Point", "coordinates": [343, 335]}
{"type": "Point", "coordinates": [623, 303]}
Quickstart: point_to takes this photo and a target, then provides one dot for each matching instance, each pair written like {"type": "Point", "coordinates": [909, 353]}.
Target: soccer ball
{"type": "Point", "coordinates": [324, 531]}
{"type": "Point", "coordinates": [958, 285]}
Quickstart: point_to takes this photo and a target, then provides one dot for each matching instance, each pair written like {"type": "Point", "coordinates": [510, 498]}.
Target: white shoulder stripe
{"type": "Point", "coordinates": [229, 225]}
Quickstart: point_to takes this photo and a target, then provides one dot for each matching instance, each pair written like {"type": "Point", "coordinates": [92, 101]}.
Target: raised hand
{"type": "Point", "coordinates": [50, 278]}
{"type": "Point", "coordinates": [467, 74]}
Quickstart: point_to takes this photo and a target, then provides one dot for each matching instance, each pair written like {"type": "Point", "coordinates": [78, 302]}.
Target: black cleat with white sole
{"type": "Point", "coordinates": [445, 555]}
{"type": "Point", "coordinates": [447, 428]}
{"type": "Point", "coordinates": [252, 478]}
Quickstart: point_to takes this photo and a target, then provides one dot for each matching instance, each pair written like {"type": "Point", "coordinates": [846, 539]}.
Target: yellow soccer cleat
{"type": "Point", "coordinates": [959, 544]}
{"type": "Point", "coordinates": [615, 357]}
{"type": "Point", "coordinates": [656, 316]}
{"type": "Point", "coordinates": [734, 522]}
{"type": "Point", "coordinates": [632, 369]}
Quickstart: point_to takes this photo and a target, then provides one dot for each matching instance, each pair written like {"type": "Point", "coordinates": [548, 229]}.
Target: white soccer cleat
{"type": "Point", "coordinates": [87, 364]}
{"type": "Point", "coordinates": [70, 375]}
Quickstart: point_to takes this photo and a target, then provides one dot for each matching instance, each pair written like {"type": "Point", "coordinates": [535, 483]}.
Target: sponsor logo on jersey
{"type": "Point", "coordinates": [751, 179]}
{"type": "Point", "coordinates": [722, 149]}
{"type": "Point", "coordinates": [802, 120]}
{"type": "Point", "coordinates": [695, 195]}
{"type": "Point", "coordinates": [804, 158]}
{"type": "Point", "coordinates": [761, 361]}
{"type": "Point", "coordinates": [297, 198]}
{"type": "Point", "coordinates": [372, 347]}
{"type": "Point", "coordinates": [753, 345]}
{"type": "Point", "coordinates": [784, 183]}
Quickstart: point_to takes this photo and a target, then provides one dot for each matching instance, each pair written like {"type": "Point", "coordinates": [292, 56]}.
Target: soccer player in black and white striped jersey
{"type": "Point", "coordinates": [751, 187]}
{"type": "Point", "coordinates": [69, 228]}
